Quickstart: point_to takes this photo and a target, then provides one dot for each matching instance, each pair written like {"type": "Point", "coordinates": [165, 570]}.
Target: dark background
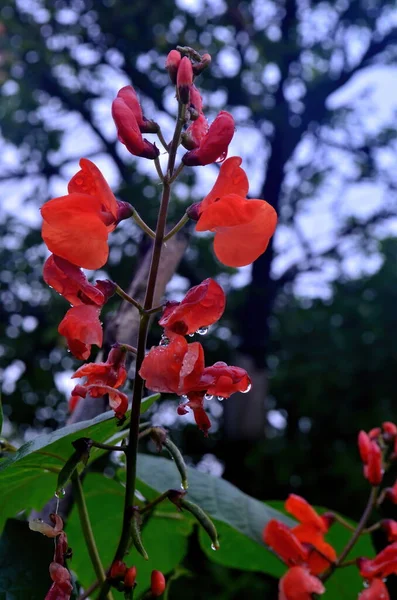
{"type": "Point", "coordinates": [311, 88]}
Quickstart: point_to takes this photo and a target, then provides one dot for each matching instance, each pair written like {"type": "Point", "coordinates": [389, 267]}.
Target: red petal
{"type": "Point", "coordinates": [69, 281]}
{"type": "Point", "coordinates": [215, 143]}
{"type": "Point", "coordinates": [223, 380]}
{"type": "Point", "coordinates": [304, 512]}
{"type": "Point", "coordinates": [280, 538]}
{"type": "Point", "coordinates": [232, 179]}
{"type": "Point", "coordinates": [89, 180]}
{"type": "Point", "coordinates": [376, 591]}
{"type": "Point", "coordinates": [299, 584]}
{"type": "Point", "coordinates": [202, 306]}
{"type": "Point", "coordinates": [162, 365]}
{"type": "Point", "coordinates": [81, 327]}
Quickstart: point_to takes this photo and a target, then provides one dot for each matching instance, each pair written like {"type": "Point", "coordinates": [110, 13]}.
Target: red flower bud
{"type": "Point", "coordinates": [184, 80]}
{"type": "Point", "coordinates": [391, 493]}
{"type": "Point", "coordinates": [390, 429]}
{"type": "Point", "coordinates": [172, 64]}
{"type": "Point", "coordinates": [130, 97]}
{"type": "Point", "coordinates": [130, 577]}
{"type": "Point", "coordinates": [214, 144]}
{"type": "Point", "coordinates": [374, 433]}
{"type": "Point", "coordinates": [203, 64]}
{"type": "Point", "coordinates": [373, 470]}
{"type": "Point", "coordinates": [384, 563]}
{"type": "Point", "coordinates": [117, 570]}
{"type": "Point", "coordinates": [364, 445]}
{"type": "Point", "coordinates": [157, 583]}
{"type": "Point", "coordinates": [390, 527]}
{"type": "Point", "coordinates": [193, 211]}
{"type": "Point", "coordinates": [128, 130]}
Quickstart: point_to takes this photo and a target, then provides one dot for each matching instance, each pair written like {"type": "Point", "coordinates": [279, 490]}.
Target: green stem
{"type": "Point", "coordinates": [139, 221]}
{"type": "Point", "coordinates": [88, 533]}
{"type": "Point", "coordinates": [177, 172]}
{"type": "Point", "coordinates": [162, 140]}
{"type": "Point", "coordinates": [120, 292]}
{"type": "Point", "coordinates": [132, 448]}
{"type": "Point", "coordinates": [177, 227]}
{"type": "Point", "coordinates": [359, 529]}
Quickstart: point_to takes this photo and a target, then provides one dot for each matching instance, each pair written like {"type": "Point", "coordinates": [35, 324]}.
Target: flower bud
{"type": "Point", "coordinates": [213, 147]}
{"type": "Point", "coordinates": [157, 586]}
{"type": "Point", "coordinates": [130, 577]}
{"type": "Point", "coordinates": [203, 64]}
{"type": "Point", "coordinates": [184, 80]}
{"type": "Point", "coordinates": [172, 63]}
{"type": "Point", "coordinates": [117, 570]}
{"type": "Point", "coordinates": [193, 211]}
{"type": "Point", "coordinates": [129, 132]}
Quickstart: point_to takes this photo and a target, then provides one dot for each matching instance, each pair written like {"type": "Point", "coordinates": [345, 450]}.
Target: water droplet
{"type": "Point", "coordinates": [184, 486]}
{"type": "Point", "coordinates": [247, 390]}
{"type": "Point", "coordinates": [60, 493]}
{"type": "Point", "coordinates": [365, 583]}
{"type": "Point", "coordinates": [184, 398]}
{"type": "Point", "coordinates": [202, 330]}
{"type": "Point", "coordinates": [208, 397]}
{"type": "Point", "coordinates": [164, 341]}
{"type": "Point", "coordinates": [213, 547]}
{"type": "Point", "coordinates": [191, 334]}
{"type": "Point", "coordinates": [220, 398]}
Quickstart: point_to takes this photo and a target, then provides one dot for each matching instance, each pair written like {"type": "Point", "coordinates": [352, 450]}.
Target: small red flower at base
{"type": "Point", "coordinates": [214, 144]}
{"type": "Point", "coordinates": [157, 586]}
{"type": "Point", "coordinates": [82, 328]}
{"type": "Point", "coordinates": [111, 373]}
{"type": "Point", "coordinates": [242, 227]}
{"type": "Point", "coordinates": [299, 584]}
{"type": "Point", "coordinates": [376, 591]}
{"type": "Point", "coordinates": [62, 588]}
{"type": "Point", "coordinates": [129, 133]}
{"type": "Point", "coordinates": [202, 306]}
{"type": "Point", "coordinates": [384, 563]}
{"type": "Point", "coordinates": [76, 226]}
{"type": "Point", "coordinates": [130, 577]}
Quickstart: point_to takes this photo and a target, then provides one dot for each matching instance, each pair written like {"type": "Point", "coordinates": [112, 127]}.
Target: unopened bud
{"type": "Point", "coordinates": [172, 63]}
{"type": "Point", "coordinates": [193, 211]}
{"type": "Point", "coordinates": [130, 577]}
{"type": "Point", "coordinates": [107, 287]}
{"type": "Point", "coordinates": [187, 141]}
{"type": "Point", "coordinates": [184, 80]}
{"type": "Point", "coordinates": [117, 570]}
{"type": "Point", "coordinates": [124, 210]}
{"type": "Point", "coordinates": [157, 586]}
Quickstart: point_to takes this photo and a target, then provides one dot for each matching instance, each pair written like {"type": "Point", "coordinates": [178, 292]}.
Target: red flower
{"type": "Point", "coordinates": [184, 80]}
{"type": "Point", "coordinates": [214, 144]}
{"type": "Point", "coordinates": [130, 98]}
{"type": "Point", "coordinates": [376, 591]}
{"type": "Point", "coordinates": [124, 111]}
{"type": "Point", "coordinates": [280, 538]}
{"type": "Point", "coordinates": [117, 400]}
{"type": "Point", "coordinates": [70, 281]}
{"type": "Point", "coordinates": [243, 227]}
{"type": "Point", "coordinates": [305, 513]}
{"type": "Point", "coordinates": [81, 327]}
{"type": "Point", "coordinates": [384, 564]}
{"type": "Point", "coordinates": [373, 469]}
{"type": "Point", "coordinates": [157, 586]}
{"type": "Point", "coordinates": [390, 528]}
{"type": "Point", "coordinates": [202, 306]}
{"type": "Point", "coordinates": [111, 373]}
{"type": "Point", "coordinates": [76, 226]}
{"type": "Point", "coordinates": [223, 380]}
{"type": "Point", "coordinates": [172, 64]}
{"type": "Point", "coordinates": [174, 368]}
{"type": "Point", "coordinates": [196, 404]}
{"type": "Point", "coordinates": [298, 584]}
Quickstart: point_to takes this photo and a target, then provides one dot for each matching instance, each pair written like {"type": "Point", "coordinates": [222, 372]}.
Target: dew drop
{"type": "Point", "coordinates": [191, 334]}
{"type": "Point", "coordinates": [213, 547]}
{"type": "Point", "coordinates": [184, 398]}
{"type": "Point", "coordinates": [220, 398]}
{"type": "Point", "coordinates": [365, 583]}
{"type": "Point", "coordinates": [202, 330]}
{"type": "Point", "coordinates": [184, 487]}
{"type": "Point", "coordinates": [208, 397]}
{"type": "Point", "coordinates": [164, 341]}
{"type": "Point", "coordinates": [60, 493]}
{"type": "Point", "coordinates": [247, 390]}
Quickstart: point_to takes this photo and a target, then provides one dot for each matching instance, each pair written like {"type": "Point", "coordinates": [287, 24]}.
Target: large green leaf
{"type": "Point", "coordinates": [164, 536]}
{"type": "Point", "coordinates": [29, 477]}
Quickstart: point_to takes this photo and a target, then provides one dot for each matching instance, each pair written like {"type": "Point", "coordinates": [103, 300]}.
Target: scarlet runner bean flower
{"type": "Point", "coordinates": [202, 306]}
{"type": "Point", "coordinates": [377, 590]}
{"type": "Point", "coordinates": [299, 584]}
{"type": "Point", "coordinates": [371, 456]}
{"type": "Point", "coordinates": [76, 226]}
{"type": "Point", "coordinates": [82, 328]}
{"type": "Point", "coordinates": [303, 544]}
{"type": "Point", "coordinates": [130, 98]}
{"type": "Point", "coordinates": [384, 564]}
{"type": "Point", "coordinates": [214, 144]}
{"type": "Point", "coordinates": [242, 227]}
{"type": "Point", "coordinates": [125, 112]}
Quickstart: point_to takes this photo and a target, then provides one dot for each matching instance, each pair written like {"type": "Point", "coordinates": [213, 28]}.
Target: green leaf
{"type": "Point", "coordinates": [29, 477]}
{"type": "Point", "coordinates": [24, 560]}
{"type": "Point", "coordinates": [239, 518]}
{"type": "Point", "coordinates": [165, 535]}
{"type": "Point", "coordinates": [147, 402]}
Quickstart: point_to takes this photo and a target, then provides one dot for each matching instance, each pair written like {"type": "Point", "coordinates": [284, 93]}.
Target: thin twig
{"type": "Point", "coordinates": [144, 226]}
{"type": "Point", "coordinates": [177, 227]}
{"type": "Point", "coordinates": [120, 292]}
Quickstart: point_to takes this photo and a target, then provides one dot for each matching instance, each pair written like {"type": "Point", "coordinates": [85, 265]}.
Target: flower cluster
{"type": "Point", "coordinates": [177, 367]}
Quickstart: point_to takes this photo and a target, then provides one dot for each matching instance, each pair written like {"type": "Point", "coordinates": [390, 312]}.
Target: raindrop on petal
{"type": "Point", "coordinates": [220, 398]}
{"type": "Point", "coordinates": [164, 341]}
{"type": "Point", "coordinates": [191, 334]}
{"type": "Point", "coordinates": [202, 330]}
{"type": "Point", "coordinates": [184, 398]}
{"type": "Point", "coordinates": [247, 390]}
{"type": "Point", "coordinates": [208, 397]}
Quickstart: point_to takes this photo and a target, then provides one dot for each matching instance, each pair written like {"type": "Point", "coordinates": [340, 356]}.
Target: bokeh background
{"type": "Point", "coordinates": [313, 89]}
